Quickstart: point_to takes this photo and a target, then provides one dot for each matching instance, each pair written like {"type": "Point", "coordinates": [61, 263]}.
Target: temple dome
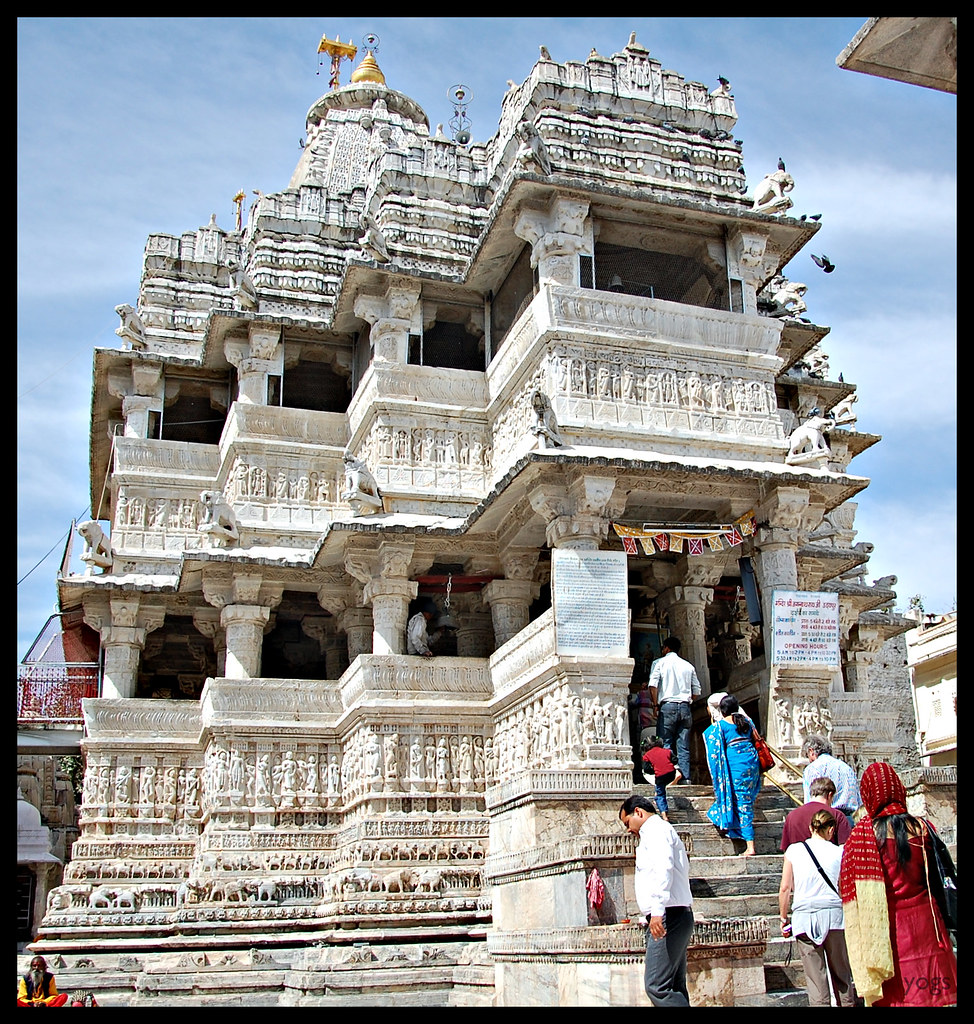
{"type": "Point", "coordinates": [368, 71]}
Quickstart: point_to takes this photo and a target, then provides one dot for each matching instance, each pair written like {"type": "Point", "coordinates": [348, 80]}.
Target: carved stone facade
{"type": "Point", "coordinates": [266, 763]}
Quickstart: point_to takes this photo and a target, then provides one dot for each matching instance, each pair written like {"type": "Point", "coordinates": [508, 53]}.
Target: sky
{"type": "Point", "coordinates": [131, 126]}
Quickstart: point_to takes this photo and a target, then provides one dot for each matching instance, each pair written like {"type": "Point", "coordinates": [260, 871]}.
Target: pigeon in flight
{"type": "Point", "coordinates": [824, 262]}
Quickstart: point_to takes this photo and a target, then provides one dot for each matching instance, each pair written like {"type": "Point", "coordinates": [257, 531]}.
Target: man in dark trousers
{"type": "Point", "coordinates": [665, 903]}
{"type": "Point", "coordinates": [673, 685]}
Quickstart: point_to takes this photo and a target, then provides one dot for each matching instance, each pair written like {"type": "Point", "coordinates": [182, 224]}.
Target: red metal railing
{"type": "Point", "coordinates": [50, 693]}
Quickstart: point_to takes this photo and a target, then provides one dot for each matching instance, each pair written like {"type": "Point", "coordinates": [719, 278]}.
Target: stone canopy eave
{"type": "Point", "coordinates": [830, 488]}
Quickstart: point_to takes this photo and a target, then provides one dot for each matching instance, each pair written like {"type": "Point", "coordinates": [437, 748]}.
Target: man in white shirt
{"type": "Point", "coordinates": [417, 639]}
{"type": "Point", "coordinates": [663, 895]}
{"type": "Point", "coordinates": [673, 685]}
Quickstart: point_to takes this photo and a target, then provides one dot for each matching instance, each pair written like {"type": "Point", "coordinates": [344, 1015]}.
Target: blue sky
{"type": "Point", "coordinates": [131, 126]}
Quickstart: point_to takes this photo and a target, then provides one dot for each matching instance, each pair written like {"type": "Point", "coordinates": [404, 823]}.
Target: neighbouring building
{"type": "Point", "coordinates": [932, 659]}
{"type": "Point", "coordinates": [411, 375]}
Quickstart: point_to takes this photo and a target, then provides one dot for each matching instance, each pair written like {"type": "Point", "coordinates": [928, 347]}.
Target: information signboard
{"type": "Point", "coordinates": [805, 628]}
{"type": "Point", "coordinates": [589, 593]}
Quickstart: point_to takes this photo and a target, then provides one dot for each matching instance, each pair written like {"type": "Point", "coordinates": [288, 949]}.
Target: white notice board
{"type": "Point", "coordinates": [805, 628]}
{"type": "Point", "coordinates": [589, 593]}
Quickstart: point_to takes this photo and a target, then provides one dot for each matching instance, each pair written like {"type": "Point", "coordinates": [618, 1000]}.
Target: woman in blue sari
{"type": "Point", "coordinates": [734, 769]}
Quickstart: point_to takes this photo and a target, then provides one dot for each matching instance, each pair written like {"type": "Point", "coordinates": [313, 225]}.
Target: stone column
{"type": "Point", "coordinates": [256, 358]}
{"type": "Point", "coordinates": [244, 625]}
{"type": "Point", "coordinates": [384, 573]}
{"type": "Point", "coordinates": [557, 237]}
{"type": "Point", "coordinates": [776, 542]}
{"type": "Point", "coordinates": [123, 624]}
{"type": "Point", "coordinates": [684, 608]}
{"type": "Point", "coordinates": [475, 634]}
{"type": "Point", "coordinates": [578, 514]}
{"type": "Point", "coordinates": [207, 621]}
{"type": "Point", "coordinates": [245, 601]}
{"type": "Point", "coordinates": [390, 613]}
{"type": "Point", "coordinates": [142, 390]}
{"type": "Point", "coordinates": [356, 624]}
{"type": "Point", "coordinates": [510, 599]}
{"type": "Point", "coordinates": [393, 316]}
{"type": "Point", "coordinates": [510, 604]}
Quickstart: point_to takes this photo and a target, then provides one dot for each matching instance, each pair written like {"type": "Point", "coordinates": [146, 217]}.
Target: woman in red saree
{"type": "Point", "coordinates": [899, 949]}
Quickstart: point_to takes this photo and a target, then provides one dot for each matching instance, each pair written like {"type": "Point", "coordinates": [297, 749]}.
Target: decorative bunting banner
{"type": "Point", "coordinates": [654, 539]}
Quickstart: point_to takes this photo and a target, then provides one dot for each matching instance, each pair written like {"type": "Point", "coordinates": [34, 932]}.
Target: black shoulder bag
{"type": "Point", "coordinates": [942, 878]}
{"type": "Point", "coordinates": [828, 881]}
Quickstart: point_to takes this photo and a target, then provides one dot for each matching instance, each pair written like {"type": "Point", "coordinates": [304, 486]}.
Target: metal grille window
{"type": "Point", "coordinates": [657, 275]}
{"type": "Point", "coordinates": [512, 298]}
{"type": "Point", "coordinates": [446, 344]}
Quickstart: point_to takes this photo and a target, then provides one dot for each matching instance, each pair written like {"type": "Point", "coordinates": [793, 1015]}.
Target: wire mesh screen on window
{"type": "Point", "coordinates": [512, 298]}
{"type": "Point", "coordinates": [658, 275]}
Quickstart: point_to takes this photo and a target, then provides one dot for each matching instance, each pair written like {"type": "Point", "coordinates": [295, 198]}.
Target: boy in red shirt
{"type": "Point", "coordinates": [658, 760]}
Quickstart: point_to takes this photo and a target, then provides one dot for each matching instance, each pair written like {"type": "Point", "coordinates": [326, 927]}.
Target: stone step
{"type": "Point", "coordinates": [709, 843]}
{"type": "Point", "coordinates": [749, 905]}
{"type": "Point", "coordinates": [719, 866]}
{"type": "Point", "coordinates": [734, 885]}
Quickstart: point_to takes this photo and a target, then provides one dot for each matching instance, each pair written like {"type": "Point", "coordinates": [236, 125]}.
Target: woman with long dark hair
{"type": "Point", "coordinates": [734, 769]}
{"type": "Point", "coordinates": [899, 947]}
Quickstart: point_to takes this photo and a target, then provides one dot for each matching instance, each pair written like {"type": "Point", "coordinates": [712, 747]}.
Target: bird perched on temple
{"type": "Point", "coordinates": [824, 262]}
{"type": "Point", "coordinates": [815, 216]}
{"type": "Point", "coordinates": [781, 164]}
{"type": "Point", "coordinates": [544, 53]}
{"type": "Point", "coordinates": [723, 81]}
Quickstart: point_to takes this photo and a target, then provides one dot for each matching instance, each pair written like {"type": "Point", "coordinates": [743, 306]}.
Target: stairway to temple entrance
{"type": "Point", "coordinates": [726, 885]}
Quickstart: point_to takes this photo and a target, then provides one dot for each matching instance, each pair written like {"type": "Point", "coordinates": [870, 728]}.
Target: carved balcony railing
{"type": "Point", "coordinates": [50, 693]}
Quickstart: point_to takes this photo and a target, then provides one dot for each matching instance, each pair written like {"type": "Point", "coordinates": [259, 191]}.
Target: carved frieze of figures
{"type": "Point", "coordinates": [799, 717]}
{"type": "Point", "coordinates": [552, 731]}
{"type": "Point", "coordinates": [647, 387]}
{"type": "Point", "coordinates": [281, 484]}
{"type": "Point", "coordinates": [428, 448]}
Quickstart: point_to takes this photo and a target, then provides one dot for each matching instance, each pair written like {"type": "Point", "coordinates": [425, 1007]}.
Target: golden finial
{"type": "Point", "coordinates": [368, 70]}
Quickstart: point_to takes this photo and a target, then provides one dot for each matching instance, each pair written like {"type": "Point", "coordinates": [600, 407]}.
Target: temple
{"type": "Point", "coordinates": [430, 370]}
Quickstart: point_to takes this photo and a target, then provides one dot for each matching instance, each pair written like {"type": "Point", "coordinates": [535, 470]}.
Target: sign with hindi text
{"type": "Point", "coordinates": [589, 593]}
{"type": "Point", "coordinates": [805, 628]}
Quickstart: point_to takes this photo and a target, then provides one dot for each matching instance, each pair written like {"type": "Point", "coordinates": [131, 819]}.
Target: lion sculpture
{"type": "Point", "coordinates": [219, 523]}
{"type": "Point", "coordinates": [97, 551]}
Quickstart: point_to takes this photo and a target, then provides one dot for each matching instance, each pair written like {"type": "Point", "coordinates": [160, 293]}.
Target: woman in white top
{"type": "Point", "coordinates": [810, 873]}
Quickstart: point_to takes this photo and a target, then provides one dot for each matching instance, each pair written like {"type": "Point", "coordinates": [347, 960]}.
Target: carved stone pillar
{"type": "Point", "coordinates": [356, 624]}
{"type": "Point", "coordinates": [510, 605]}
{"type": "Point", "coordinates": [510, 599]}
{"type": "Point", "coordinates": [390, 612]}
{"type": "Point", "coordinates": [384, 574]}
{"type": "Point", "coordinates": [557, 237]}
{"type": "Point", "coordinates": [244, 625]}
{"type": "Point", "coordinates": [207, 621]}
{"type": "Point", "coordinates": [245, 602]}
{"type": "Point", "coordinates": [776, 541]}
{"type": "Point", "coordinates": [393, 316]}
{"type": "Point", "coordinates": [578, 514]}
{"type": "Point", "coordinates": [685, 608]}
{"type": "Point", "coordinates": [141, 389]}
{"type": "Point", "coordinates": [475, 635]}
{"type": "Point", "coordinates": [750, 262]}
{"type": "Point", "coordinates": [255, 358]}
{"type": "Point", "coordinates": [123, 624]}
